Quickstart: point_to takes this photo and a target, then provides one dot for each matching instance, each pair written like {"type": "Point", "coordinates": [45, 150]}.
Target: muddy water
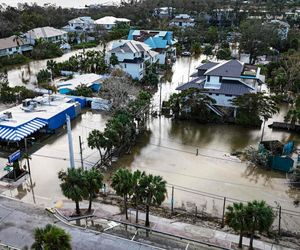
{"type": "Point", "coordinates": [169, 150]}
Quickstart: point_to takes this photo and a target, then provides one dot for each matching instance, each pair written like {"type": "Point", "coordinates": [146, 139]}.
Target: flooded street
{"type": "Point", "coordinates": [169, 150]}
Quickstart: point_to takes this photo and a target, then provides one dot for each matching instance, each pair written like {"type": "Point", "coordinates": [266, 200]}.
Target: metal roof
{"type": "Point", "coordinates": [207, 66]}
{"type": "Point", "coordinates": [110, 20]}
{"type": "Point", "coordinates": [19, 133]}
{"type": "Point", "coordinates": [45, 32]}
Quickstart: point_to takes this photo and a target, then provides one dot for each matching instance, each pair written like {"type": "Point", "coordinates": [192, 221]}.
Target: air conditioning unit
{"type": "Point", "coordinates": [8, 115]}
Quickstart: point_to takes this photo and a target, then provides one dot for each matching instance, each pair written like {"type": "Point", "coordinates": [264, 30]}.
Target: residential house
{"type": "Point", "coordinates": [109, 22]}
{"type": "Point", "coordinates": [163, 12]}
{"type": "Point", "coordinates": [133, 57]}
{"type": "Point", "coordinates": [47, 33]}
{"type": "Point", "coordinates": [226, 80]}
{"type": "Point", "coordinates": [14, 45]}
{"type": "Point", "coordinates": [282, 28]}
{"type": "Point", "coordinates": [159, 41]}
{"type": "Point", "coordinates": [80, 24]}
{"type": "Point", "coordinates": [183, 21]}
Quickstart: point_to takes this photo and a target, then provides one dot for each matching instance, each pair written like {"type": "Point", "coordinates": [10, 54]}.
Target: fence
{"type": "Point", "coordinates": [206, 205]}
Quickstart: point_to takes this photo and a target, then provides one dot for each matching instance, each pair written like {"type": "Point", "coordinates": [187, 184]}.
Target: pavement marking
{"type": "Point", "coordinates": [134, 235]}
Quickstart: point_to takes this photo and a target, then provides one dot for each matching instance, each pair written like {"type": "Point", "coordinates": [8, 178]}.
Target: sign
{"type": "Point", "coordinates": [14, 156]}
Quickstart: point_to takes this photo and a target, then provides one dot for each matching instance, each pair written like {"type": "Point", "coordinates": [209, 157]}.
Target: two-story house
{"type": "Point", "coordinates": [160, 41]}
{"type": "Point", "coordinates": [48, 34]}
{"type": "Point", "coordinates": [14, 45]}
{"type": "Point", "coordinates": [108, 22]}
{"type": "Point", "coordinates": [226, 80]}
{"type": "Point", "coordinates": [133, 57]}
{"type": "Point", "coordinates": [183, 21]}
{"type": "Point", "coordinates": [80, 24]}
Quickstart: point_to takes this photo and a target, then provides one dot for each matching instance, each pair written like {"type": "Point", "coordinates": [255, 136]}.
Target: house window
{"type": "Point", "coordinates": [125, 65]}
{"type": "Point", "coordinates": [229, 95]}
{"type": "Point", "coordinates": [220, 79]}
{"type": "Point", "coordinates": [208, 78]}
{"type": "Point", "coordinates": [141, 65]}
{"type": "Point", "coordinates": [10, 49]}
{"type": "Point", "coordinates": [217, 94]}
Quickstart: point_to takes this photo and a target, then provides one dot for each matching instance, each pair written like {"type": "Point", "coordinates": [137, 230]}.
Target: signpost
{"type": "Point", "coordinates": [14, 156]}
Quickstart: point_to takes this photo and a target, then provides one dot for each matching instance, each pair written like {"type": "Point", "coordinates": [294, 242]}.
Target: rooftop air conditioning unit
{"type": "Point", "coordinates": [8, 115]}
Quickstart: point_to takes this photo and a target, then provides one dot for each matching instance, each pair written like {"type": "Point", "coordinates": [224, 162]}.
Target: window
{"type": "Point", "coordinates": [229, 95]}
{"type": "Point", "coordinates": [208, 78]}
{"type": "Point", "coordinates": [125, 65]}
{"type": "Point", "coordinates": [141, 65]}
{"type": "Point", "coordinates": [217, 94]}
{"type": "Point", "coordinates": [220, 78]}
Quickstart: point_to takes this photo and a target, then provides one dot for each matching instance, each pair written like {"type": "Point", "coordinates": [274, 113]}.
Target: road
{"type": "Point", "coordinates": [18, 221]}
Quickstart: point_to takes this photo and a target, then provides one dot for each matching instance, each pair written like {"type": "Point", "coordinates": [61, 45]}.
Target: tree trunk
{"type": "Point", "coordinates": [241, 239]}
{"type": "Point", "coordinates": [77, 208]}
{"type": "Point", "coordinates": [136, 213]}
{"type": "Point", "coordinates": [125, 206]}
{"type": "Point", "coordinates": [251, 240]}
{"type": "Point", "coordinates": [147, 222]}
{"type": "Point", "coordinates": [90, 203]}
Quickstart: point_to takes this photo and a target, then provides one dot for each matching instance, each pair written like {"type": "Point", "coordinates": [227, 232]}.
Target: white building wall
{"type": "Point", "coordinates": [222, 100]}
{"type": "Point", "coordinates": [162, 58]}
{"type": "Point", "coordinates": [136, 70]}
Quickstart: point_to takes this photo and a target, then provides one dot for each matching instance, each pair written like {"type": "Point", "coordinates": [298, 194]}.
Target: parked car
{"type": "Point", "coordinates": [186, 53]}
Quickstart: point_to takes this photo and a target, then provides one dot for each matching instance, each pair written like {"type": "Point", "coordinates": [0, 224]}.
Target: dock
{"type": "Point", "coordinates": [285, 126]}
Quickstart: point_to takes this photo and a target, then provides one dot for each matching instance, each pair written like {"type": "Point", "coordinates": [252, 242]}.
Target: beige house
{"type": "Point", "coordinates": [47, 33]}
{"type": "Point", "coordinates": [14, 45]}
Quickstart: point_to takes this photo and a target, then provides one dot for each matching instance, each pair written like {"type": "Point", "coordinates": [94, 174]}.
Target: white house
{"type": "Point", "coordinates": [47, 33]}
{"type": "Point", "coordinates": [133, 57]}
{"type": "Point", "coordinates": [163, 12]}
{"type": "Point", "coordinates": [282, 28]}
{"type": "Point", "coordinates": [14, 45]}
{"type": "Point", "coordinates": [80, 24]}
{"type": "Point", "coordinates": [109, 22]}
{"type": "Point", "coordinates": [226, 80]}
{"type": "Point", "coordinates": [183, 21]}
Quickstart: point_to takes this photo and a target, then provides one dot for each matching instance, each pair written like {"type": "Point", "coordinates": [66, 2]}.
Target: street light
{"type": "Point", "coordinates": [26, 151]}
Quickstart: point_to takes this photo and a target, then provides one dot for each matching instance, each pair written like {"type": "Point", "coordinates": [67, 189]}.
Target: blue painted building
{"type": "Point", "coordinates": [159, 41]}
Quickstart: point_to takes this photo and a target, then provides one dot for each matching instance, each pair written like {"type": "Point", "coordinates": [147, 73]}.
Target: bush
{"type": "Point", "coordinates": [43, 76]}
{"type": "Point", "coordinates": [46, 50]}
{"type": "Point", "coordinates": [12, 60]}
{"type": "Point", "coordinates": [85, 45]}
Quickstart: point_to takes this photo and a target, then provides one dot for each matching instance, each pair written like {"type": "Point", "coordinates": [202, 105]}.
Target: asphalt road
{"type": "Point", "coordinates": [18, 221]}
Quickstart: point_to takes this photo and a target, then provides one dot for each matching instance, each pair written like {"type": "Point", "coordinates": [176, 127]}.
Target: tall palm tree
{"type": "Point", "coordinates": [235, 218]}
{"type": "Point", "coordinates": [136, 190]}
{"type": "Point", "coordinates": [51, 238]}
{"type": "Point", "coordinates": [51, 65]}
{"type": "Point", "coordinates": [93, 182]}
{"type": "Point", "coordinates": [122, 183]}
{"type": "Point", "coordinates": [260, 217]}
{"type": "Point", "coordinates": [73, 185]}
{"type": "Point", "coordinates": [154, 192]}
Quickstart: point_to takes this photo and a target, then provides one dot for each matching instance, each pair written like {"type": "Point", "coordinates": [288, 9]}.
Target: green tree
{"type": "Point", "coordinates": [51, 238]}
{"type": "Point", "coordinates": [224, 54]}
{"type": "Point", "coordinates": [82, 90]}
{"type": "Point", "coordinates": [154, 192]}
{"type": "Point", "coordinates": [96, 139]}
{"type": "Point", "coordinates": [52, 67]}
{"type": "Point", "coordinates": [235, 218]}
{"type": "Point", "coordinates": [122, 183]}
{"type": "Point", "coordinates": [196, 48]}
{"type": "Point", "coordinates": [43, 76]}
{"type": "Point", "coordinates": [73, 185]}
{"type": "Point", "coordinates": [260, 218]}
{"type": "Point", "coordinates": [293, 114]}
{"type": "Point", "coordinates": [113, 60]}
{"type": "Point", "coordinates": [93, 182]}
{"type": "Point", "coordinates": [137, 176]}
{"type": "Point", "coordinates": [208, 50]}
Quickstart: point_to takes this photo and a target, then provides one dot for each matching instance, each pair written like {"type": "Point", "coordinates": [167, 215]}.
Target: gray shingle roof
{"type": "Point", "coordinates": [228, 87]}
{"type": "Point", "coordinates": [232, 68]}
{"type": "Point", "coordinates": [130, 47]}
{"type": "Point", "coordinates": [207, 66]}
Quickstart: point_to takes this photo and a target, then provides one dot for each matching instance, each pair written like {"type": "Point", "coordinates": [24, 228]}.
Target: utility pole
{"type": "Point", "coordinates": [160, 87]}
{"type": "Point", "coordinates": [27, 155]}
{"type": "Point", "coordinates": [70, 140]}
{"type": "Point", "coordinates": [80, 147]}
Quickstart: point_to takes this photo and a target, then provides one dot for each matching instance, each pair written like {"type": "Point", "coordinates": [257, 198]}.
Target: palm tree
{"type": "Point", "coordinates": [51, 65]}
{"type": "Point", "coordinates": [235, 218]}
{"type": "Point", "coordinates": [136, 190]}
{"type": "Point", "coordinates": [73, 185]}
{"type": "Point", "coordinates": [51, 238]}
{"type": "Point", "coordinates": [93, 182]}
{"type": "Point", "coordinates": [122, 183]}
{"type": "Point", "coordinates": [97, 140]}
{"type": "Point", "coordinates": [260, 217]}
{"type": "Point", "coordinates": [154, 192]}
{"type": "Point", "coordinates": [293, 114]}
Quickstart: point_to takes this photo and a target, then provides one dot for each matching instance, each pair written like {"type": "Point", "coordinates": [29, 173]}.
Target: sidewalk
{"type": "Point", "coordinates": [176, 228]}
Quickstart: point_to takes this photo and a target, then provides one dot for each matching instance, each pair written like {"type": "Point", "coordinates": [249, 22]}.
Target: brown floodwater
{"type": "Point", "coordinates": [169, 150]}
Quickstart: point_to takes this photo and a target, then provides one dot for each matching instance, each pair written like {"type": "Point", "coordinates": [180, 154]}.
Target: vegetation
{"type": "Point", "coordinates": [224, 54]}
{"type": "Point", "coordinates": [121, 130]}
{"type": "Point", "coordinates": [13, 60]}
{"type": "Point", "coordinates": [293, 115]}
{"type": "Point", "coordinates": [122, 183]}
{"type": "Point", "coordinates": [255, 216]}
{"type": "Point", "coordinates": [85, 45]}
{"type": "Point", "coordinates": [43, 76]}
{"type": "Point", "coordinates": [82, 90]}
{"type": "Point", "coordinates": [73, 185]}
{"type": "Point", "coordinates": [93, 182]}
{"type": "Point", "coordinates": [151, 76]}
{"type": "Point", "coordinates": [46, 50]}
{"type": "Point", "coordinates": [13, 94]}
{"type": "Point", "coordinates": [260, 106]}
{"type": "Point", "coordinates": [191, 104]}
{"type": "Point", "coordinates": [51, 238]}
